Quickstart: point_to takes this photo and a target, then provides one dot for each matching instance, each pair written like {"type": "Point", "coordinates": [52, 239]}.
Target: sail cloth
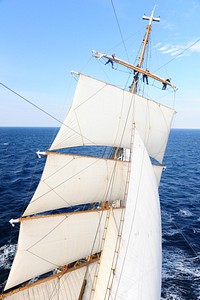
{"type": "Point", "coordinates": [102, 114]}
{"type": "Point", "coordinates": [70, 180]}
{"type": "Point", "coordinates": [46, 243]}
{"type": "Point", "coordinates": [138, 269]}
{"type": "Point", "coordinates": [106, 268]}
{"type": "Point", "coordinates": [68, 286]}
{"type": "Point", "coordinates": [50, 242]}
{"type": "Point", "coordinates": [158, 172]}
{"type": "Point", "coordinates": [157, 168]}
{"type": "Point", "coordinates": [130, 268]}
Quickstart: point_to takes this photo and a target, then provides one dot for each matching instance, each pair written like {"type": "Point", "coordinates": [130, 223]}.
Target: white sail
{"type": "Point", "coordinates": [106, 270]}
{"type": "Point", "coordinates": [157, 168]}
{"type": "Point", "coordinates": [158, 172]}
{"type": "Point", "coordinates": [89, 275]}
{"type": "Point", "coordinates": [139, 259]}
{"type": "Point", "coordinates": [70, 180]}
{"type": "Point", "coordinates": [116, 249]}
{"type": "Point", "coordinates": [102, 114]}
{"type": "Point", "coordinates": [50, 242]}
{"type": "Point", "coordinates": [66, 286]}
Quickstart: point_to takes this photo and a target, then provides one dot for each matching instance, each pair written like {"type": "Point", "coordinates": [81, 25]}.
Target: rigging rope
{"type": "Point", "coordinates": [119, 29]}
{"type": "Point", "coordinates": [181, 233]}
{"type": "Point", "coordinates": [197, 41]}
{"type": "Point", "coordinates": [128, 38]}
{"type": "Point", "coordinates": [45, 112]}
{"type": "Point", "coordinates": [31, 103]}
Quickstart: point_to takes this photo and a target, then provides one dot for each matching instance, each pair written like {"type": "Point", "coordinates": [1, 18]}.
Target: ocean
{"type": "Point", "coordinates": [20, 171]}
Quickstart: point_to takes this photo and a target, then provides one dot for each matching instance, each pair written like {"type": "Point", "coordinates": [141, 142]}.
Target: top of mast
{"type": "Point", "coordinates": [138, 68]}
{"type": "Point", "coordinates": [151, 18]}
{"type": "Point", "coordinates": [144, 45]}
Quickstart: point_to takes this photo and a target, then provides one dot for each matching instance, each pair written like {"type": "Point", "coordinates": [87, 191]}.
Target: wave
{"type": "Point", "coordinates": [173, 293]}
{"type": "Point", "coordinates": [185, 213]}
{"type": "Point", "coordinates": [181, 274]}
{"type": "Point", "coordinates": [7, 253]}
{"type": "Point", "coordinates": [179, 265]}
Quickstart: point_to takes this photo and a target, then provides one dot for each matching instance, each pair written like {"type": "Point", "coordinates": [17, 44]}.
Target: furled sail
{"type": "Point", "coordinates": [47, 243]}
{"type": "Point", "coordinates": [70, 180]}
{"type": "Point", "coordinates": [102, 114]}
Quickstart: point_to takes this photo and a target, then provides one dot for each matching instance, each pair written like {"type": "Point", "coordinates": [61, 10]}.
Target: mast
{"type": "Point", "coordinates": [144, 45]}
{"type": "Point", "coordinates": [138, 69]}
{"type": "Point", "coordinates": [140, 60]}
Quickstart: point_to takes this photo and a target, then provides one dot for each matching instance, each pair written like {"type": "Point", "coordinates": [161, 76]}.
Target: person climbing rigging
{"type": "Point", "coordinates": [110, 60]}
{"type": "Point", "coordinates": [165, 84]}
{"type": "Point", "coordinates": [135, 79]}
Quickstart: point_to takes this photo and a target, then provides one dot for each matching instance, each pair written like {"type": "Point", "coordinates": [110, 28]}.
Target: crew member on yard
{"type": "Point", "coordinates": [145, 77]}
{"type": "Point", "coordinates": [110, 60]}
{"type": "Point", "coordinates": [165, 84]}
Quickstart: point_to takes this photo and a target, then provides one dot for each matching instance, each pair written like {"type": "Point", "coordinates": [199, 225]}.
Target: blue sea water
{"type": "Point", "coordinates": [20, 170]}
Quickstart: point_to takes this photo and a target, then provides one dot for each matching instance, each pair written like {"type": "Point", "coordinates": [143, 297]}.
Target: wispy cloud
{"type": "Point", "coordinates": [180, 49]}
{"type": "Point", "coordinates": [168, 25]}
{"type": "Point", "coordinates": [193, 10]}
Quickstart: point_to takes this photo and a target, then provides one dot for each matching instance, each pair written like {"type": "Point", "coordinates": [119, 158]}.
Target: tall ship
{"type": "Point", "coordinates": [92, 230]}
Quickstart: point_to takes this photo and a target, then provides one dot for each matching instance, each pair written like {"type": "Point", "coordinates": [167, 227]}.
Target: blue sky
{"type": "Point", "coordinates": [42, 41]}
